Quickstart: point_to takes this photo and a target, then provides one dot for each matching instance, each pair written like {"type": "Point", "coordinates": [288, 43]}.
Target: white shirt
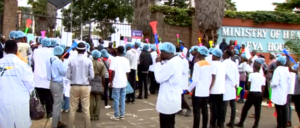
{"type": "Point", "coordinates": [169, 76]}
{"type": "Point", "coordinates": [40, 57]}
{"type": "Point", "coordinates": [185, 51]}
{"type": "Point", "coordinates": [280, 85]}
{"type": "Point", "coordinates": [185, 72]}
{"type": "Point", "coordinates": [203, 81]}
{"type": "Point", "coordinates": [15, 88]}
{"type": "Point", "coordinates": [138, 54]}
{"type": "Point", "coordinates": [257, 81]}
{"type": "Point", "coordinates": [293, 82]}
{"type": "Point", "coordinates": [66, 81]}
{"type": "Point", "coordinates": [245, 67]}
{"type": "Point", "coordinates": [219, 70]}
{"type": "Point", "coordinates": [209, 58]}
{"type": "Point", "coordinates": [153, 56]}
{"type": "Point", "coordinates": [191, 57]}
{"type": "Point", "coordinates": [131, 55]}
{"type": "Point", "coordinates": [231, 80]}
{"type": "Point", "coordinates": [120, 65]}
{"type": "Point", "coordinates": [73, 54]}
{"type": "Point", "coordinates": [253, 60]}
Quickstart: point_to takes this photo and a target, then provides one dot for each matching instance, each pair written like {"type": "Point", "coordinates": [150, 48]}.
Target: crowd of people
{"type": "Point", "coordinates": [71, 80]}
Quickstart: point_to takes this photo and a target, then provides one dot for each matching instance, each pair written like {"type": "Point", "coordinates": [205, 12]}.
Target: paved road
{"type": "Point", "coordinates": [142, 114]}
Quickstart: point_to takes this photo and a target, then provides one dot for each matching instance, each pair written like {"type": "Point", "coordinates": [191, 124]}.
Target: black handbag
{"type": "Point", "coordinates": [37, 111]}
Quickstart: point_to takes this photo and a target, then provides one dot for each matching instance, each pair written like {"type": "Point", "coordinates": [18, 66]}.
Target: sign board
{"type": "Point", "coordinates": [136, 34]}
{"type": "Point", "coordinates": [260, 39]}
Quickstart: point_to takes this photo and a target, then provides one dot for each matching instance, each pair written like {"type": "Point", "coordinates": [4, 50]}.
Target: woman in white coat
{"type": "Point", "coordinates": [16, 85]}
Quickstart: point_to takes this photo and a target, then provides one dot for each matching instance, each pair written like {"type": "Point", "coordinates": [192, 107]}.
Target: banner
{"type": "Point", "coordinates": [136, 34]}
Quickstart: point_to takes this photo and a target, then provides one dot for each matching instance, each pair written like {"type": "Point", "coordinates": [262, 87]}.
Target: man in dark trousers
{"type": "Point", "coordinates": [223, 45]}
{"type": "Point", "coordinates": [143, 68]}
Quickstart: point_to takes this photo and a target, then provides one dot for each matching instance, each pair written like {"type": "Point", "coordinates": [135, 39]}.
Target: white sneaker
{"type": "Point", "coordinates": [114, 118]}
{"type": "Point", "coordinates": [107, 107]}
{"type": "Point", "coordinates": [66, 111]}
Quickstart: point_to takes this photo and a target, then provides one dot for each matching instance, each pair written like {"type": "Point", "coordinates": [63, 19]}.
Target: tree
{"type": "Point", "coordinates": [1, 6]}
{"type": "Point", "coordinates": [229, 5]}
{"type": "Point", "coordinates": [142, 16]}
{"type": "Point", "coordinates": [177, 3]}
{"type": "Point", "coordinates": [287, 6]}
{"type": "Point", "coordinates": [102, 12]}
{"type": "Point", "coordinates": [47, 15]}
{"type": "Point", "coordinates": [209, 15]}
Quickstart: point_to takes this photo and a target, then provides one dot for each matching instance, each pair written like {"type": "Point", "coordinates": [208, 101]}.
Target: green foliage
{"type": "Point", "coordinates": [287, 6]}
{"type": "Point", "coordinates": [1, 6]}
{"type": "Point", "coordinates": [293, 46]}
{"type": "Point", "coordinates": [38, 6]}
{"type": "Point", "coordinates": [230, 5]}
{"type": "Point", "coordinates": [182, 17]}
{"type": "Point", "coordinates": [174, 15]}
{"type": "Point", "coordinates": [101, 12]}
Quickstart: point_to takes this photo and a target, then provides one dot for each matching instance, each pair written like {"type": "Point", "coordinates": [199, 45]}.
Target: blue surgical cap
{"type": "Point", "coordinates": [11, 34]}
{"type": "Point", "coordinates": [96, 54]}
{"type": "Point", "coordinates": [58, 50]}
{"type": "Point", "coordinates": [281, 59]}
{"type": "Point", "coordinates": [167, 47]}
{"type": "Point", "coordinates": [180, 41]}
{"type": "Point", "coordinates": [87, 46]}
{"type": "Point", "coordinates": [146, 47]}
{"type": "Point", "coordinates": [46, 42]}
{"type": "Point", "coordinates": [138, 44]}
{"type": "Point", "coordinates": [53, 42]}
{"type": "Point", "coordinates": [63, 46]}
{"type": "Point", "coordinates": [244, 56]}
{"type": "Point", "coordinates": [210, 50]}
{"type": "Point", "coordinates": [40, 39]}
{"type": "Point", "coordinates": [236, 52]}
{"type": "Point", "coordinates": [19, 34]}
{"type": "Point", "coordinates": [128, 45]}
{"type": "Point", "coordinates": [193, 48]}
{"type": "Point", "coordinates": [278, 55]}
{"type": "Point", "coordinates": [217, 52]}
{"type": "Point", "coordinates": [153, 47]}
{"type": "Point", "coordinates": [203, 51]}
{"type": "Point", "coordinates": [104, 53]}
{"type": "Point", "coordinates": [260, 60]}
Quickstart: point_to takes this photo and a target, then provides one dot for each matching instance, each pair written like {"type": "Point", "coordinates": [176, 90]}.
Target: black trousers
{"type": "Point", "coordinates": [296, 99]}
{"type": "Point", "coordinates": [106, 91]}
{"type": "Point", "coordinates": [217, 110]}
{"type": "Point", "coordinates": [154, 86]}
{"type": "Point", "coordinates": [167, 121]}
{"type": "Point", "coordinates": [254, 98]}
{"type": "Point", "coordinates": [46, 99]}
{"type": "Point", "coordinates": [184, 104]}
{"type": "Point", "coordinates": [143, 84]}
{"type": "Point", "coordinates": [200, 104]}
{"type": "Point", "coordinates": [281, 115]}
{"type": "Point", "coordinates": [132, 81]}
{"type": "Point", "coordinates": [232, 108]}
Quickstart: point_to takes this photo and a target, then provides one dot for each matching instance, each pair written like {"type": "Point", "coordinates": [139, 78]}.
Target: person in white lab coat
{"type": "Point", "coordinates": [16, 86]}
{"type": "Point", "coordinates": [42, 84]}
{"type": "Point", "coordinates": [256, 84]}
{"type": "Point", "coordinates": [66, 104]}
{"type": "Point", "coordinates": [168, 75]}
{"type": "Point", "coordinates": [184, 83]}
{"type": "Point", "coordinates": [231, 82]}
{"type": "Point", "coordinates": [202, 86]}
{"type": "Point", "coordinates": [280, 86]}
{"type": "Point", "coordinates": [217, 90]}
{"type": "Point", "coordinates": [131, 55]}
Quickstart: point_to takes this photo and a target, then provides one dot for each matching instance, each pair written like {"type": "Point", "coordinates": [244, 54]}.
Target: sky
{"type": "Point", "coordinates": [242, 5]}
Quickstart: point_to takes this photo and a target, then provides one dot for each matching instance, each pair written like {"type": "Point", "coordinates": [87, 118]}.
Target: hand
{"type": "Point", "coordinates": [110, 85]}
{"type": "Point", "coordinates": [158, 59]}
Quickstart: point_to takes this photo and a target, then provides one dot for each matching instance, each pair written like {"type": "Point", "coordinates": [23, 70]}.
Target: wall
{"type": "Point", "coordinates": [9, 18]}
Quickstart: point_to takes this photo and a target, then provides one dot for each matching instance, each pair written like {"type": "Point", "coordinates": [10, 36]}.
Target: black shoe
{"type": "Point", "coordinates": [62, 125]}
{"type": "Point", "coordinates": [230, 125]}
{"type": "Point", "coordinates": [145, 97]}
{"type": "Point", "coordinates": [254, 126]}
{"type": "Point", "coordinates": [221, 126]}
{"type": "Point", "coordinates": [239, 125]}
{"type": "Point", "coordinates": [139, 97]}
{"type": "Point", "coordinates": [49, 116]}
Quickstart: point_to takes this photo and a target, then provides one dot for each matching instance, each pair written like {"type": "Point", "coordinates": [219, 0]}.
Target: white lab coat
{"type": "Point", "coordinates": [280, 84]}
{"type": "Point", "coordinates": [185, 72]}
{"type": "Point", "coordinates": [66, 81]}
{"type": "Point", "coordinates": [185, 52]}
{"type": "Point", "coordinates": [153, 56]}
{"type": "Point", "coordinates": [293, 82]}
{"type": "Point", "coordinates": [231, 80]}
{"type": "Point", "coordinates": [40, 57]}
{"type": "Point", "coordinates": [169, 76]}
{"type": "Point", "coordinates": [73, 54]}
{"type": "Point", "coordinates": [209, 58]}
{"type": "Point", "coordinates": [15, 88]}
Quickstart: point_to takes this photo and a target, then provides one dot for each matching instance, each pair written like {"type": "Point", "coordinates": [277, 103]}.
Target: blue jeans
{"type": "Point", "coordinates": [119, 95]}
{"type": "Point", "coordinates": [242, 84]}
{"type": "Point", "coordinates": [66, 103]}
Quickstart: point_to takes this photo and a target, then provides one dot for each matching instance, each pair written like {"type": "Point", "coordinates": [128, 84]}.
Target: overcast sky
{"type": "Point", "coordinates": [242, 5]}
